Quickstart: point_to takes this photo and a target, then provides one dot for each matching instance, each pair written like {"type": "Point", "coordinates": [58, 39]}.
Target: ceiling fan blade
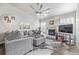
{"type": "Point", "coordinates": [33, 8]}
{"type": "Point", "coordinates": [40, 7]}
{"type": "Point", "coordinates": [45, 10]}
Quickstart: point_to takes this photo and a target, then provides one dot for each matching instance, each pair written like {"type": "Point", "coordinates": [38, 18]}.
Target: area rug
{"type": "Point", "coordinates": [40, 52]}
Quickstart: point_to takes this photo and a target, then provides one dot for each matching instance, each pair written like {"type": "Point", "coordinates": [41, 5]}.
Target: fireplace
{"type": "Point", "coordinates": [51, 32]}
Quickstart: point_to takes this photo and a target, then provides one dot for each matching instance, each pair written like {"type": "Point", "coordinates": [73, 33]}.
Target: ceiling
{"type": "Point", "coordinates": [55, 8]}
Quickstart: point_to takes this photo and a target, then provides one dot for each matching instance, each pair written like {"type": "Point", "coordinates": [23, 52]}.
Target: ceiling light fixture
{"type": "Point", "coordinates": [40, 10]}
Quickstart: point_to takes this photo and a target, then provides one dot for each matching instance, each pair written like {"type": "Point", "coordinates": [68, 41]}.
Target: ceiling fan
{"type": "Point", "coordinates": [40, 10]}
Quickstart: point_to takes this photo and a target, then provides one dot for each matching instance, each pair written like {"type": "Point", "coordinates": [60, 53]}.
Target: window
{"type": "Point", "coordinates": [64, 21]}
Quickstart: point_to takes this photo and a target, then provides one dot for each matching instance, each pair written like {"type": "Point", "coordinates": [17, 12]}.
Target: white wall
{"type": "Point", "coordinates": [57, 22]}
{"type": "Point", "coordinates": [43, 27]}
{"type": "Point", "coordinates": [66, 21]}
{"type": "Point", "coordinates": [20, 17]}
{"type": "Point", "coordinates": [77, 25]}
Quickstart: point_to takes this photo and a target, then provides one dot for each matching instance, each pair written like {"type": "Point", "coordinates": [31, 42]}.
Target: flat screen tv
{"type": "Point", "coordinates": [66, 28]}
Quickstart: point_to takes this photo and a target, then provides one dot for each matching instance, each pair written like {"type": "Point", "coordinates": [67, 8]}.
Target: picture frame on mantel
{"type": "Point", "coordinates": [51, 22]}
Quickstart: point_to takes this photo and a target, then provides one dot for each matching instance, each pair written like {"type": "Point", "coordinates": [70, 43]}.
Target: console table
{"type": "Point", "coordinates": [68, 39]}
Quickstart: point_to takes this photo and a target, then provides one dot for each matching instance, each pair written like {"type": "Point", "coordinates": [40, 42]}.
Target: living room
{"type": "Point", "coordinates": [39, 28]}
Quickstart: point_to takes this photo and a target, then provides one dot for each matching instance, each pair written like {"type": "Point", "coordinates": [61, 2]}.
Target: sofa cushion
{"type": "Point", "coordinates": [13, 35]}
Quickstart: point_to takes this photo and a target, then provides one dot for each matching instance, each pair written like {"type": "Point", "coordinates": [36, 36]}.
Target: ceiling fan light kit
{"type": "Point", "coordinates": [40, 10]}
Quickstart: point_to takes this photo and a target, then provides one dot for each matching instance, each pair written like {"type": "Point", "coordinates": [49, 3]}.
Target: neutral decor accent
{"type": "Point", "coordinates": [9, 18]}
{"type": "Point", "coordinates": [51, 22]}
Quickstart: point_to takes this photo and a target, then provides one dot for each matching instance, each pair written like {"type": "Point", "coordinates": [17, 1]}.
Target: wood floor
{"type": "Point", "coordinates": [62, 50]}
{"type": "Point", "coordinates": [2, 49]}
{"type": "Point", "coordinates": [66, 50]}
